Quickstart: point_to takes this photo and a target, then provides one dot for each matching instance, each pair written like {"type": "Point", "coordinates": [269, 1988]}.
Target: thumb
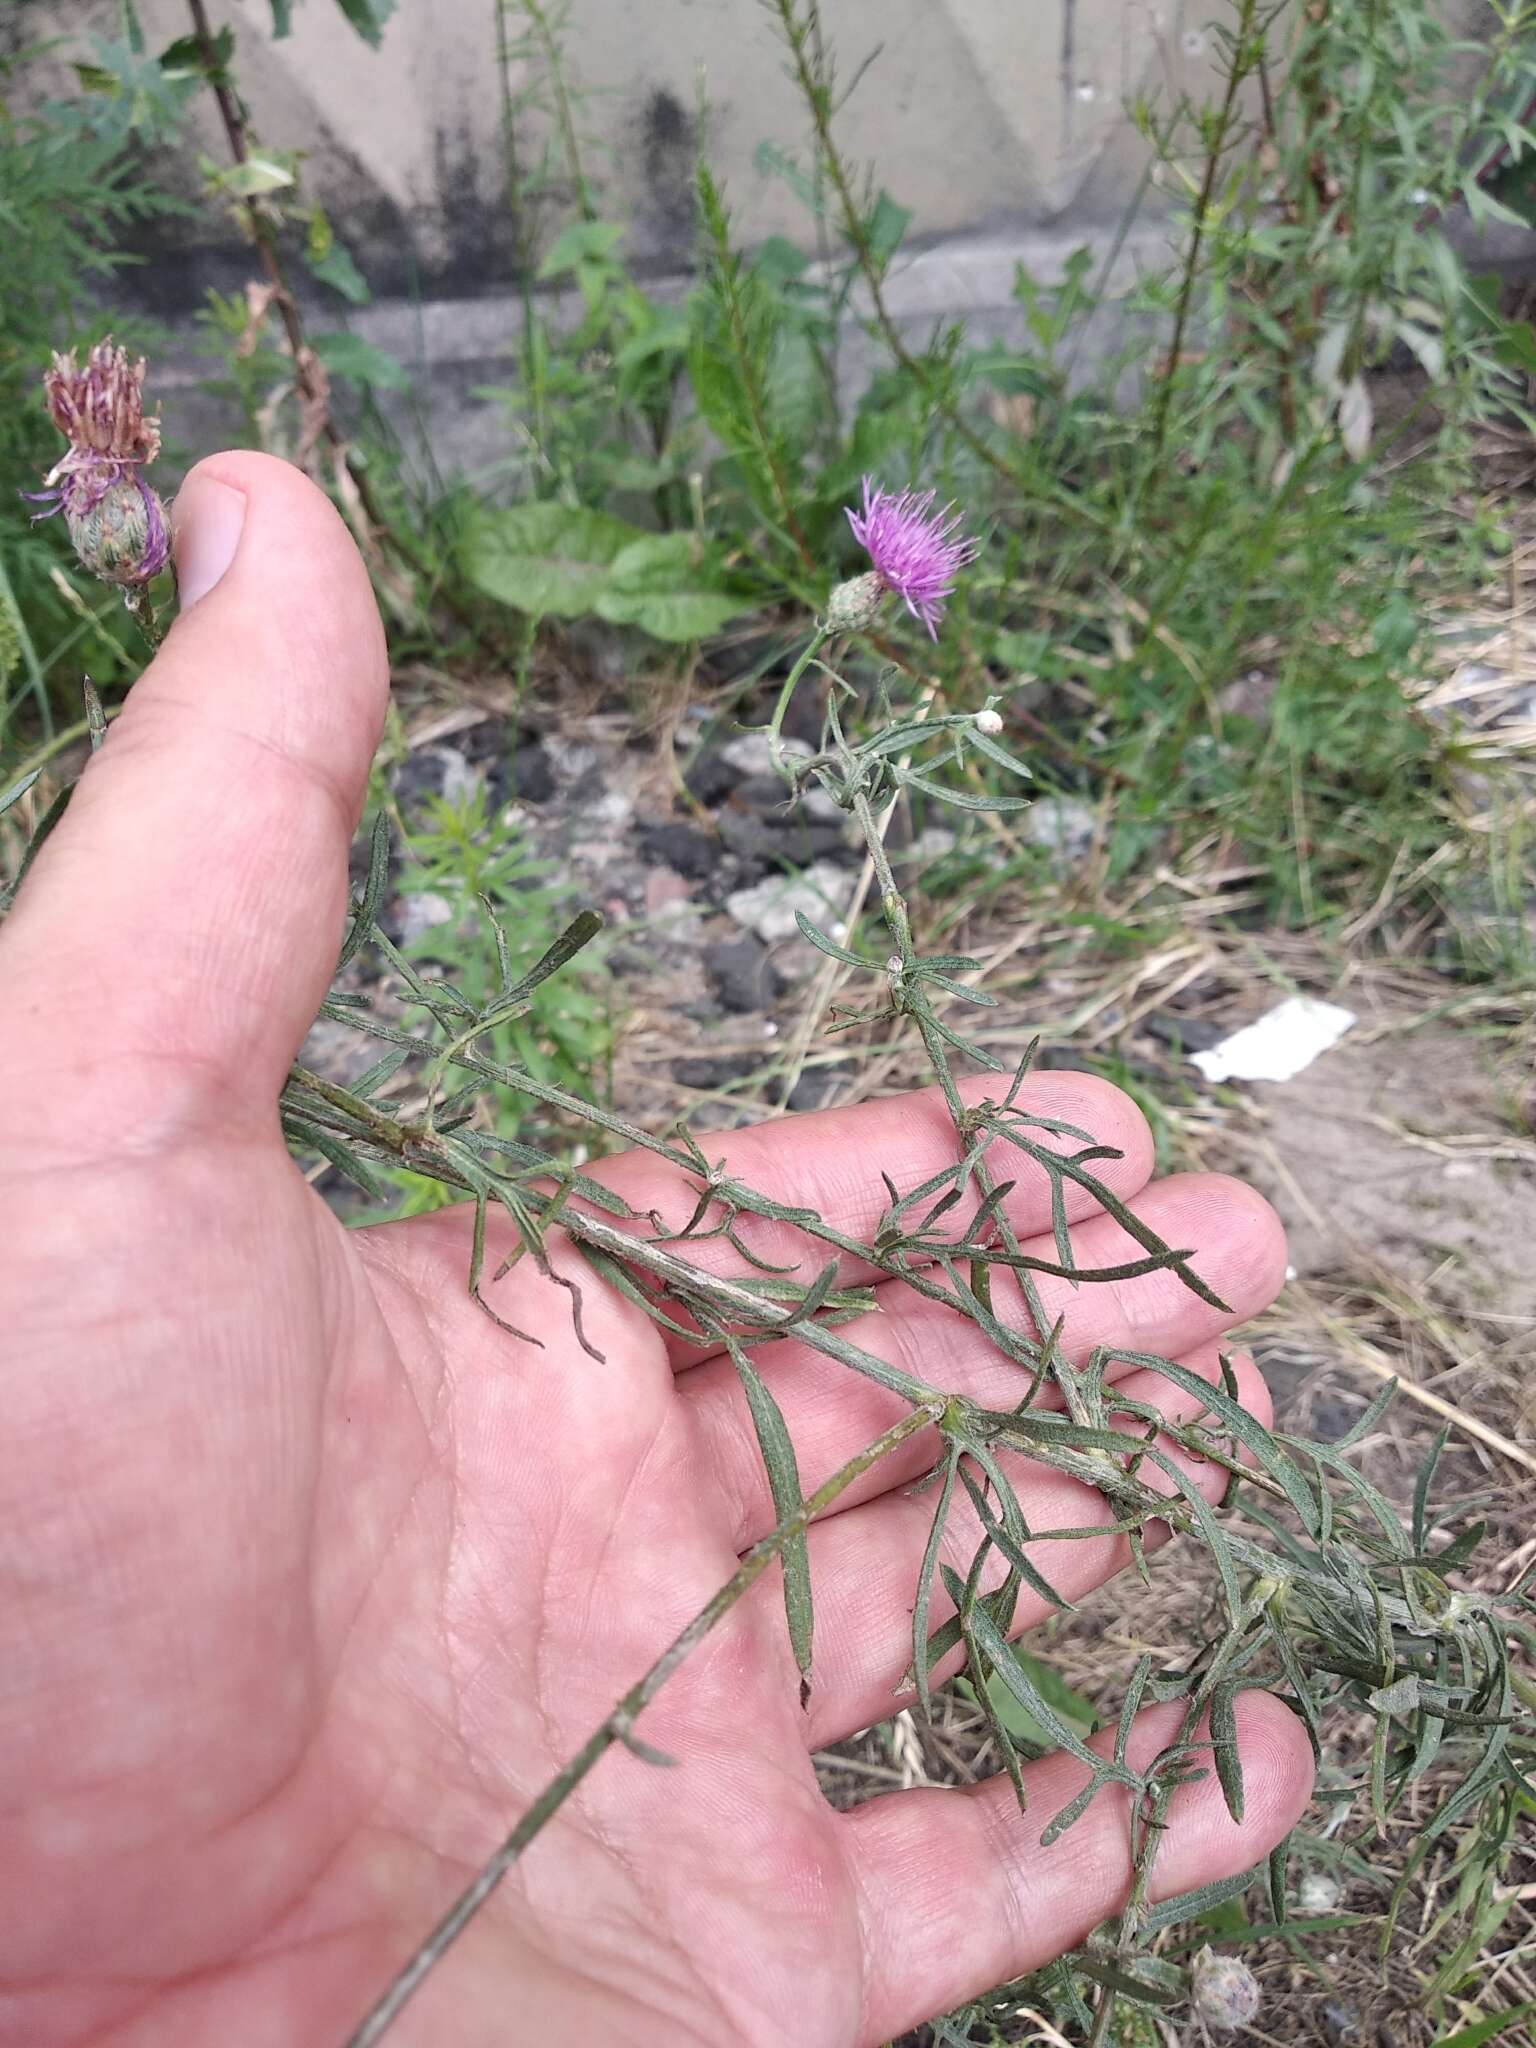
{"type": "Point", "coordinates": [172, 943]}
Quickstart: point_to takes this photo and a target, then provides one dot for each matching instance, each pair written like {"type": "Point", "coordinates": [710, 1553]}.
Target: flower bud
{"type": "Point", "coordinates": [1225, 1991]}
{"type": "Point", "coordinates": [123, 536]}
{"type": "Point", "coordinates": [990, 722]}
{"type": "Point", "coordinates": [853, 605]}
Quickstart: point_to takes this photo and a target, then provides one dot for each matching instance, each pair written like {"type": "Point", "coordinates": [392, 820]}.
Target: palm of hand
{"type": "Point", "coordinates": [320, 1578]}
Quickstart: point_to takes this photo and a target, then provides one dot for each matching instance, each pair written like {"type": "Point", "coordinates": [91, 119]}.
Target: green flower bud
{"type": "Point", "coordinates": [853, 605]}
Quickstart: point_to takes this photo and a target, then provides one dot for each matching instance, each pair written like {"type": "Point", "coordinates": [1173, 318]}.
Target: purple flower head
{"type": "Point", "coordinates": [117, 523]}
{"type": "Point", "coordinates": [917, 552]}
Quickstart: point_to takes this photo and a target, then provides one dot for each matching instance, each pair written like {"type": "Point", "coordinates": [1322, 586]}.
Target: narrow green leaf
{"type": "Point", "coordinates": [301, 1131]}
{"type": "Point", "coordinates": [820, 940]}
{"type": "Point", "coordinates": [985, 745]}
{"type": "Point", "coordinates": [581, 931]}
{"type": "Point", "coordinates": [1421, 1485]}
{"type": "Point", "coordinates": [922, 1600]}
{"type": "Point", "coordinates": [18, 790]}
{"type": "Point", "coordinates": [367, 910]}
{"type": "Point", "coordinates": [1249, 1432]}
{"type": "Point", "coordinates": [1073, 1811]}
{"type": "Point", "coordinates": [368, 17]}
{"type": "Point", "coordinates": [1018, 1681]}
{"type": "Point", "coordinates": [1224, 1748]}
{"type": "Point", "coordinates": [1367, 1421]}
{"type": "Point", "coordinates": [779, 1462]}
{"type": "Point", "coordinates": [959, 799]}
{"type": "Point", "coordinates": [1485, 2029]}
{"type": "Point", "coordinates": [1188, 1904]}
{"type": "Point", "coordinates": [1279, 1862]}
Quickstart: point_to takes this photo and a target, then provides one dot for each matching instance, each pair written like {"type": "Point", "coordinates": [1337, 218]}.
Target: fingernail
{"type": "Point", "coordinates": [207, 518]}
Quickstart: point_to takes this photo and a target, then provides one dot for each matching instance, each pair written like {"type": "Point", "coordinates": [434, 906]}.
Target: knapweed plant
{"type": "Point", "coordinates": [1322, 1591]}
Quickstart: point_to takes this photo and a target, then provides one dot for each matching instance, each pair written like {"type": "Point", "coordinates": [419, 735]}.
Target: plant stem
{"type": "Point", "coordinates": [308, 374]}
{"type": "Point", "coordinates": [617, 1725]}
{"type": "Point", "coordinates": [818, 98]}
{"type": "Point", "coordinates": [565, 118]}
{"type": "Point", "coordinates": [726, 265]}
{"type": "Point", "coordinates": [1239, 69]}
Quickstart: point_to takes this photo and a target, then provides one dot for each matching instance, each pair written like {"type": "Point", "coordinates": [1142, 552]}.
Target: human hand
{"type": "Point", "coordinates": [313, 1577]}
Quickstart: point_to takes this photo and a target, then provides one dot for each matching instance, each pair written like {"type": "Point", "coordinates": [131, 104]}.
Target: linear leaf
{"type": "Point", "coordinates": [830, 946]}
{"type": "Point", "coordinates": [779, 1462]}
{"type": "Point", "coordinates": [923, 1597]}
{"type": "Point", "coordinates": [1188, 1904]}
{"type": "Point", "coordinates": [1224, 1748]}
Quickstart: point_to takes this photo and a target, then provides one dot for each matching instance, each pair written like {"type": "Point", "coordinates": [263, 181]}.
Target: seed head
{"type": "Point", "coordinates": [117, 523]}
{"type": "Point", "coordinates": [1225, 1991]}
{"type": "Point", "coordinates": [100, 409]}
{"type": "Point", "coordinates": [917, 551]}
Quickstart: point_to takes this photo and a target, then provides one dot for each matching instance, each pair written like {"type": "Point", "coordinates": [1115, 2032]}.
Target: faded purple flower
{"type": "Point", "coordinates": [117, 523]}
{"type": "Point", "coordinates": [1226, 1992]}
{"type": "Point", "coordinates": [917, 551]}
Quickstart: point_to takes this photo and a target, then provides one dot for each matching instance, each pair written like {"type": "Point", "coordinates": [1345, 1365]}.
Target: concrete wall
{"type": "Point", "coordinates": [1001, 125]}
{"type": "Point", "coordinates": [976, 114]}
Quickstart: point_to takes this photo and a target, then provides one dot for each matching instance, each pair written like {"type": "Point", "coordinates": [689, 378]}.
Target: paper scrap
{"type": "Point", "coordinates": [1278, 1045]}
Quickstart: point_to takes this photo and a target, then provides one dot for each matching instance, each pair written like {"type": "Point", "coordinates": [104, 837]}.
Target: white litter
{"type": "Point", "coordinates": [1278, 1045]}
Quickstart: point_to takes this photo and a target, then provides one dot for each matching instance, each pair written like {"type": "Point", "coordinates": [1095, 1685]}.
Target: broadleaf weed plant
{"type": "Point", "coordinates": [1324, 1593]}
{"type": "Point", "coordinates": [1225, 506]}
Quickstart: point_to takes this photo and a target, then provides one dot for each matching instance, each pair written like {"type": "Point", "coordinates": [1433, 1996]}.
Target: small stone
{"type": "Point", "coordinates": [743, 975]}
{"type": "Point", "coordinates": [748, 754]}
{"type": "Point", "coordinates": [817, 1086]}
{"type": "Point", "coordinates": [422, 911]}
{"type": "Point", "coordinates": [930, 845]}
{"type": "Point", "coordinates": [683, 847]}
{"type": "Point", "coordinates": [612, 809]}
{"type": "Point", "coordinates": [1341, 2023]}
{"type": "Point", "coordinates": [532, 778]}
{"type": "Point", "coordinates": [1318, 1892]}
{"type": "Point", "coordinates": [713, 1073]}
{"type": "Point", "coordinates": [1061, 824]}
{"type": "Point", "coordinates": [768, 908]}
{"type": "Point", "coordinates": [664, 889]}
{"type": "Point", "coordinates": [788, 841]}
{"type": "Point", "coordinates": [572, 759]}
{"type": "Point", "coordinates": [823, 807]}
{"type": "Point", "coordinates": [763, 793]}
{"type": "Point", "coordinates": [709, 779]}
{"type": "Point", "coordinates": [334, 1050]}
{"type": "Point", "coordinates": [1248, 696]}
{"type": "Point", "coordinates": [1224, 1990]}
{"type": "Point", "coordinates": [436, 771]}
